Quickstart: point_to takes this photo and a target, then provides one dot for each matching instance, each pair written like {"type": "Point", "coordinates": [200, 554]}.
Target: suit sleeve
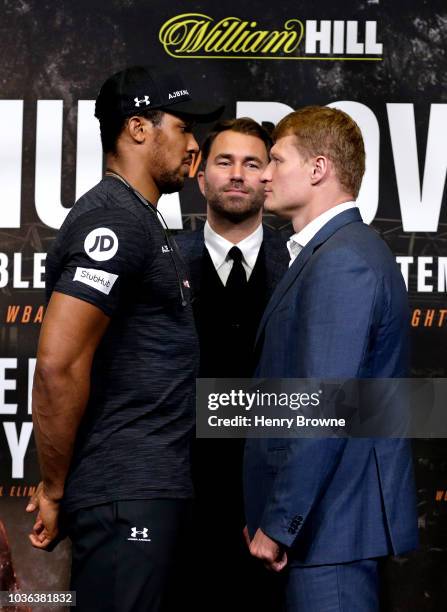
{"type": "Point", "coordinates": [335, 309]}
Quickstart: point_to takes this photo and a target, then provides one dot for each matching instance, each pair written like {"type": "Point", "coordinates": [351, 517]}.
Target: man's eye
{"type": "Point", "coordinates": [223, 162]}
{"type": "Point", "coordinates": [253, 165]}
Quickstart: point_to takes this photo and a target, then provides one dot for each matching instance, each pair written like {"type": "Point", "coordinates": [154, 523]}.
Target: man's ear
{"type": "Point", "coordinates": [137, 128]}
{"type": "Point", "coordinates": [201, 181]}
{"type": "Point", "coordinates": [319, 170]}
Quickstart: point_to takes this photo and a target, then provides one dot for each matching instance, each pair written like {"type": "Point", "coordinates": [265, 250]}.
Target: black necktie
{"type": "Point", "coordinates": [237, 279]}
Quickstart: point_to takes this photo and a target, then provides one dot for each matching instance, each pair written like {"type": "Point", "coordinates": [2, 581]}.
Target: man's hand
{"type": "Point", "coordinates": [45, 529]}
{"type": "Point", "coordinates": [267, 550]}
{"type": "Point", "coordinates": [246, 536]}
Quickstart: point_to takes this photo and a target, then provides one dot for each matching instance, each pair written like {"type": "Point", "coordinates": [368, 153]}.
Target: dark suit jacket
{"type": "Point", "coordinates": [340, 311]}
{"type": "Point", "coordinates": [191, 245]}
{"type": "Point", "coordinates": [217, 463]}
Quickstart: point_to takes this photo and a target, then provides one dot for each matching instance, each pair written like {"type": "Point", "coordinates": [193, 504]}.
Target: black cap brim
{"type": "Point", "coordinates": [194, 111]}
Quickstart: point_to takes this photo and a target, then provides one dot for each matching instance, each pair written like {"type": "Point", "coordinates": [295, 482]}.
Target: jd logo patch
{"type": "Point", "coordinates": [101, 244]}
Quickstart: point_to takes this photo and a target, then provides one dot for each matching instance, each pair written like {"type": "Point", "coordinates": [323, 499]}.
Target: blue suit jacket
{"type": "Point", "coordinates": [340, 311]}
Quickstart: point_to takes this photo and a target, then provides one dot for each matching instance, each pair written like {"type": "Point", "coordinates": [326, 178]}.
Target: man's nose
{"type": "Point", "coordinates": [192, 146]}
{"type": "Point", "coordinates": [237, 172]}
{"type": "Point", "coordinates": [266, 176]}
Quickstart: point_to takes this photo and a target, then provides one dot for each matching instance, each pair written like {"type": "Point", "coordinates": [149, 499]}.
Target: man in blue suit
{"type": "Point", "coordinates": [328, 509]}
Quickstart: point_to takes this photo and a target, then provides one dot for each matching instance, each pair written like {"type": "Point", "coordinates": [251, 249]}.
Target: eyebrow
{"type": "Point", "coordinates": [187, 123]}
{"type": "Point", "coordinates": [231, 156]}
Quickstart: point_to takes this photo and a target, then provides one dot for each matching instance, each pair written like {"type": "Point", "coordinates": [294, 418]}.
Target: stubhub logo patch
{"type": "Point", "coordinates": [98, 279]}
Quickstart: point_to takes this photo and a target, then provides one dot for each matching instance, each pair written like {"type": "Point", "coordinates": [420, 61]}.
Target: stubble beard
{"type": "Point", "coordinates": [167, 180]}
{"type": "Point", "coordinates": [170, 181]}
{"type": "Point", "coordinates": [232, 207]}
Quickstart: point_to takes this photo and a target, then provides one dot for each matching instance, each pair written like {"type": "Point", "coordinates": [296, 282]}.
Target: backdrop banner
{"type": "Point", "coordinates": [383, 63]}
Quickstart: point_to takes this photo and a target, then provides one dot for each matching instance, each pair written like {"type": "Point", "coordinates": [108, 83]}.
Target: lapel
{"type": "Point", "coordinates": [196, 261]}
{"type": "Point", "coordinates": [348, 216]}
{"type": "Point", "coordinates": [191, 246]}
{"type": "Point", "coordinates": [276, 257]}
{"type": "Point", "coordinates": [275, 253]}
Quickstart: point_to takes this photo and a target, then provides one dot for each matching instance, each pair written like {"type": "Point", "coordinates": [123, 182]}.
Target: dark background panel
{"type": "Point", "coordinates": [64, 50]}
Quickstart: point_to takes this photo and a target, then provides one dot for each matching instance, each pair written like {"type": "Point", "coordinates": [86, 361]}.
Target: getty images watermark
{"type": "Point", "coordinates": [258, 400]}
{"type": "Point", "coordinates": [267, 408]}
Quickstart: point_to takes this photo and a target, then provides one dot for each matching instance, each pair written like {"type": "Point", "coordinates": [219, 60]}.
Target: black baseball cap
{"type": "Point", "coordinates": [147, 88]}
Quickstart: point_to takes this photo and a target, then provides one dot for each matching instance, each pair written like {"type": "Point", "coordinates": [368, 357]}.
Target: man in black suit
{"type": "Point", "coordinates": [235, 263]}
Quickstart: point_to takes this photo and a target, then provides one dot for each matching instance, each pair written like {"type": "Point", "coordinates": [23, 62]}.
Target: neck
{"type": "Point", "coordinates": [136, 174]}
{"type": "Point", "coordinates": [233, 232]}
{"type": "Point", "coordinates": [305, 214]}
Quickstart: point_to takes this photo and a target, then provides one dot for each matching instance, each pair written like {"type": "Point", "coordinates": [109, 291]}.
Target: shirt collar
{"type": "Point", "coordinates": [218, 246]}
{"type": "Point", "coordinates": [304, 236]}
{"type": "Point", "coordinates": [294, 249]}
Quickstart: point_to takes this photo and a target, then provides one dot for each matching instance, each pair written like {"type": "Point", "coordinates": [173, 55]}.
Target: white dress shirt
{"type": "Point", "coordinates": [298, 241]}
{"type": "Point", "coordinates": [218, 248]}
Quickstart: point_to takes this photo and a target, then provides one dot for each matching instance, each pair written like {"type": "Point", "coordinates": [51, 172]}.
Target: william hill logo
{"type": "Point", "coordinates": [200, 36]}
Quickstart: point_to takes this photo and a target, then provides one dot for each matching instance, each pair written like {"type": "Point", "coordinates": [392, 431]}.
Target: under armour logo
{"type": "Point", "coordinates": [142, 532]}
{"type": "Point", "coordinates": [144, 100]}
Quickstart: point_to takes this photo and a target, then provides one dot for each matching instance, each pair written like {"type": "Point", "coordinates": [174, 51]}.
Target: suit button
{"type": "Point", "coordinates": [295, 524]}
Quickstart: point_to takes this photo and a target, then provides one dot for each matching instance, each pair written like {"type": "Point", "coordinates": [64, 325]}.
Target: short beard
{"type": "Point", "coordinates": [218, 202]}
{"type": "Point", "coordinates": [167, 181]}
{"type": "Point", "coordinates": [170, 181]}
